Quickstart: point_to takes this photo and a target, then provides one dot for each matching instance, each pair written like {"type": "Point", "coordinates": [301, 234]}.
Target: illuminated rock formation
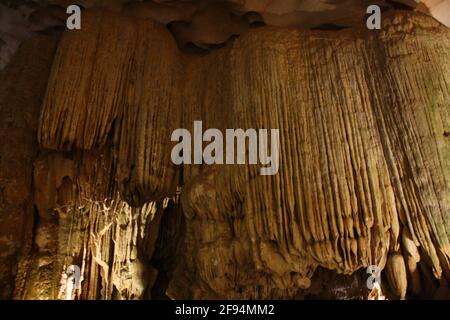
{"type": "Point", "coordinates": [363, 180]}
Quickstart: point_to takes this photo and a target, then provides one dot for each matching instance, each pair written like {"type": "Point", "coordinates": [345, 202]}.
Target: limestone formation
{"type": "Point", "coordinates": [201, 25]}
{"type": "Point", "coordinates": [20, 102]}
{"type": "Point", "coordinates": [364, 173]}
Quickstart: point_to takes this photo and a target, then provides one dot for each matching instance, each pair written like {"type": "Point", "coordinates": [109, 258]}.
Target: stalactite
{"type": "Point", "coordinates": [96, 93]}
{"type": "Point", "coordinates": [83, 222]}
{"type": "Point", "coordinates": [363, 177]}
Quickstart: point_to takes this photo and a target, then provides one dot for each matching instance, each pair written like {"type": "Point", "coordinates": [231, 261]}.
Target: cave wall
{"type": "Point", "coordinates": [20, 103]}
{"type": "Point", "coordinates": [364, 168]}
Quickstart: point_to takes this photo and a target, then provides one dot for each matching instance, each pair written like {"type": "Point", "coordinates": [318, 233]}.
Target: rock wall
{"type": "Point", "coordinates": [83, 222]}
{"type": "Point", "coordinates": [364, 168]}
{"type": "Point", "coordinates": [201, 25]}
{"type": "Point", "coordinates": [20, 102]}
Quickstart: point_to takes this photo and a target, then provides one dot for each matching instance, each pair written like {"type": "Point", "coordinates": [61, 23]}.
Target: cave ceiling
{"type": "Point", "coordinates": [201, 25]}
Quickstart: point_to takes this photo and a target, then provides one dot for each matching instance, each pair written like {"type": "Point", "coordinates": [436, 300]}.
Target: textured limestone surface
{"type": "Point", "coordinates": [364, 173]}
{"type": "Point", "coordinates": [364, 147]}
{"type": "Point", "coordinates": [202, 25]}
{"type": "Point", "coordinates": [20, 102]}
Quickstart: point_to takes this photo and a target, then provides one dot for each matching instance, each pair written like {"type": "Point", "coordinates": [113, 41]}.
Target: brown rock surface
{"type": "Point", "coordinates": [202, 25]}
{"type": "Point", "coordinates": [20, 102]}
{"type": "Point", "coordinates": [363, 180]}
{"type": "Point", "coordinates": [364, 176]}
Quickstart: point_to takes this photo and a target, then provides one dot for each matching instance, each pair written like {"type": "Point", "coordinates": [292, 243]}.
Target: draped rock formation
{"type": "Point", "coordinates": [364, 173]}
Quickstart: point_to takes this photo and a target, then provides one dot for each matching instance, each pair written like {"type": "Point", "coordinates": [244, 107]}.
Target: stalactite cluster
{"type": "Point", "coordinates": [83, 222]}
{"type": "Point", "coordinates": [364, 175]}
